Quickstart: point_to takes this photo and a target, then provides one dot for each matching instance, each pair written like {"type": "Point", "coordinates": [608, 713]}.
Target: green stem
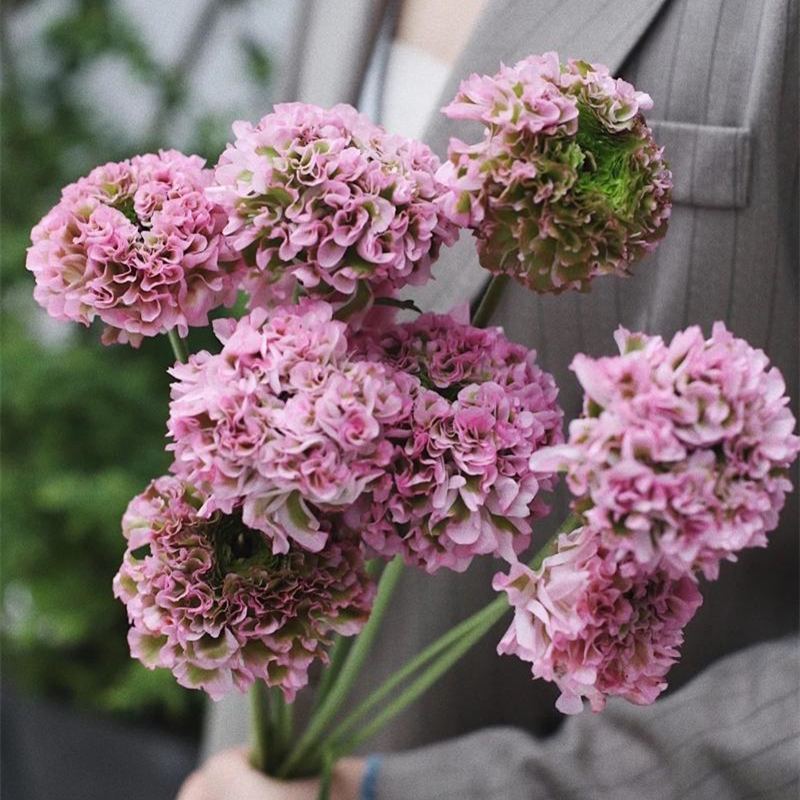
{"type": "Point", "coordinates": [326, 778]}
{"type": "Point", "coordinates": [446, 651]}
{"type": "Point", "coordinates": [338, 693]}
{"type": "Point", "coordinates": [338, 654]}
{"type": "Point", "coordinates": [341, 648]}
{"type": "Point", "coordinates": [487, 620]}
{"type": "Point", "coordinates": [489, 301]}
{"type": "Point", "coordinates": [549, 548]}
{"type": "Point", "coordinates": [178, 346]}
{"type": "Point", "coordinates": [259, 723]}
{"type": "Point", "coordinates": [445, 641]}
{"type": "Point", "coordinates": [281, 721]}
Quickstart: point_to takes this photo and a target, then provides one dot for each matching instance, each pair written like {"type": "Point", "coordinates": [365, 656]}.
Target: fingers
{"type": "Point", "coordinates": [229, 776]}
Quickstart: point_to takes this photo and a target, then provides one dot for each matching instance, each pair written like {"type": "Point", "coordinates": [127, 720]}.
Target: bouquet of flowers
{"type": "Point", "coordinates": [328, 441]}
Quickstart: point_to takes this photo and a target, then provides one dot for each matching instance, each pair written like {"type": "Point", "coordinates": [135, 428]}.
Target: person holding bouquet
{"type": "Point", "coordinates": [723, 79]}
{"type": "Point", "coordinates": [331, 436]}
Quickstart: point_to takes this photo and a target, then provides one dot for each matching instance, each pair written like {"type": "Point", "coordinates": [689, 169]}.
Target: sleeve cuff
{"type": "Point", "coordinates": [369, 783]}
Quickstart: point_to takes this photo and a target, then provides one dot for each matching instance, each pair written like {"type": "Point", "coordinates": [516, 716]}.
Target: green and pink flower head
{"type": "Point", "coordinates": [138, 245]}
{"type": "Point", "coordinates": [208, 599]}
{"type": "Point", "coordinates": [567, 182]}
{"type": "Point", "coordinates": [325, 203]}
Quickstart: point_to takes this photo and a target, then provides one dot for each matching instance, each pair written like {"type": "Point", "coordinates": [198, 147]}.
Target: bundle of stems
{"type": "Point", "coordinates": [325, 740]}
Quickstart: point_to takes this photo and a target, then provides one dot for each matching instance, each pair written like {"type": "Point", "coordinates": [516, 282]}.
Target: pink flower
{"type": "Point", "coordinates": [683, 449]}
{"type": "Point", "coordinates": [138, 245]}
{"type": "Point", "coordinates": [459, 484]}
{"type": "Point", "coordinates": [208, 600]}
{"type": "Point", "coordinates": [282, 424]}
{"type": "Point", "coordinates": [567, 183]}
{"type": "Point", "coordinates": [327, 203]}
{"type": "Point", "coordinates": [596, 625]}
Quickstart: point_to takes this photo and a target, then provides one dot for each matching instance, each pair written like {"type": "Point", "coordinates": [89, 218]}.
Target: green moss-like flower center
{"type": "Point", "coordinates": [238, 548]}
{"type": "Point", "coordinates": [609, 171]}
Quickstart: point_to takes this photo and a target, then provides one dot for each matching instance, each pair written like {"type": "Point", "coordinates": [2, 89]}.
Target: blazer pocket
{"type": "Point", "coordinates": [710, 163]}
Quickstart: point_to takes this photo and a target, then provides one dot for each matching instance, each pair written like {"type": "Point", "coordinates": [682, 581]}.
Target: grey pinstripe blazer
{"type": "Point", "coordinates": [724, 77]}
{"type": "Point", "coordinates": [731, 734]}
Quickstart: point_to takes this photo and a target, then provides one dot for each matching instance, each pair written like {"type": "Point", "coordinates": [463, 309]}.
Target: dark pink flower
{"type": "Point", "coordinates": [595, 624]}
{"type": "Point", "coordinates": [459, 484]}
{"type": "Point", "coordinates": [208, 599]}
{"type": "Point", "coordinates": [324, 202]}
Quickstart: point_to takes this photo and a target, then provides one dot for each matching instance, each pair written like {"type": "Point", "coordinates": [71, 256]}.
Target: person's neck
{"type": "Point", "coordinates": [440, 28]}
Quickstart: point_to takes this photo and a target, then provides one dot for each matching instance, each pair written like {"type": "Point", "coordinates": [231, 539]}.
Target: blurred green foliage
{"type": "Point", "coordinates": [83, 425]}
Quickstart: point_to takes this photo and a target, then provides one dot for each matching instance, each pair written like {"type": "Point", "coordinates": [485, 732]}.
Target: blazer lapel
{"type": "Point", "coordinates": [508, 30]}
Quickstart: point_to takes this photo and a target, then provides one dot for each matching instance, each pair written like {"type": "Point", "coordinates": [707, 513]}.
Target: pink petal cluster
{"type": "Point", "coordinates": [595, 624]}
{"type": "Point", "coordinates": [208, 600]}
{"type": "Point", "coordinates": [567, 183]}
{"type": "Point", "coordinates": [682, 452]}
{"type": "Point", "coordinates": [459, 484]}
{"type": "Point", "coordinates": [323, 201]}
{"type": "Point", "coordinates": [282, 423]}
{"type": "Point", "coordinates": [137, 244]}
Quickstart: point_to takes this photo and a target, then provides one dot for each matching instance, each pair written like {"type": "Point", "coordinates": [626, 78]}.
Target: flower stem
{"type": "Point", "coordinates": [338, 655]}
{"type": "Point", "coordinates": [483, 622]}
{"type": "Point", "coordinates": [439, 657]}
{"type": "Point", "coordinates": [326, 778]}
{"type": "Point", "coordinates": [452, 637]}
{"type": "Point", "coordinates": [341, 648]}
{"type": "Point", "coordinates": [490, 300]}
{"type": "Point", "coordinates": [281, 722]}
{"type": "Point", "coordinates": [549, 548]}
{"type": "Point", "coordinates": [338, 693]}
{"type": "Point", "coordinates": [178, 346]}
{"type": "Point", "coordinates": [259, 723]}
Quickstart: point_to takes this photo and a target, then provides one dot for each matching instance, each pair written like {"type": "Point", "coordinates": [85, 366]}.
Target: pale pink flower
{"type": "Point", "coordinates": [137, 244]}
{"type": "Point", "coordinates": [683, 449]}
{"type": "Point", "coordinates": [282, 424]}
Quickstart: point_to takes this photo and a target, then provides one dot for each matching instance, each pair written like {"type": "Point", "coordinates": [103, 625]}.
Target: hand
{"type": "Point", "coordinates": [229, 776]}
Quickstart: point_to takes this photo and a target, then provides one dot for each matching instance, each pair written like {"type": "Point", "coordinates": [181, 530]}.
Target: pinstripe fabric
{"type": "Point", "coordinates": [724, 79]}
{"type": "Point", "coordinates": [733, 733]}
{"type": "Point", "coordinates": [331, 50]}
{"type": "Point", "coordinates": [724, 85]}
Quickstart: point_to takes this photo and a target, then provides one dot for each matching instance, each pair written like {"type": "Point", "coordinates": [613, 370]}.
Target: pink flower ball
{"type": "Point", "coordinates": [683, 449]}
{"type": "Point", "coordinates": [208, 600]}
{"type": "Point", "coordinates": [596, 625]}
{"type": "Point", "coordinates": [567, 183]}
{"type": "Point", "coordinates": [282, 423]}
{"type": "Point", "coordinates": [459, 484]}
{"type": "Point", "coordinates": [323, 202]}
{"type": "Point", "coordinates": [137, 244]}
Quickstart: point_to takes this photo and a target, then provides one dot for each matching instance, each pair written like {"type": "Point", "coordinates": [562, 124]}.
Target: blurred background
{"type": "Point", "coordinates": [85, 82]}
